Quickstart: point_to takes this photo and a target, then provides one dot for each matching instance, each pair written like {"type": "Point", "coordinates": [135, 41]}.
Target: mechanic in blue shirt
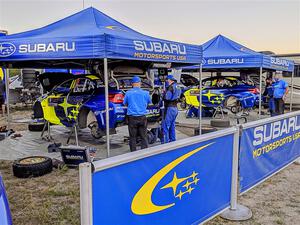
{"type": "Point", "coordinates": [171, 99]}
{"type": "Point", "coordinates": [137, 101]}
{"type": "Point", "coordinates": [280, 92]}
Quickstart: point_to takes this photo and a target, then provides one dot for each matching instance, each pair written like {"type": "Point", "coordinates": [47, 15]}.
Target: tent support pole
{"type": "Point", "coordinates": [106, 107]}
{"type": "Point", "coordinates": [200, 99]}
{"type": "Point", "coordinates": [7, 95]}
{"type": "Point", "coordinates": [292, 92]}
{"type": "Point", "coordinates": [260, 91]}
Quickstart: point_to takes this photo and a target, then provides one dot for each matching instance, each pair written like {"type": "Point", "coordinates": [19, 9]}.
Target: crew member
{"type": "Point", "coordinates": [171, 99]}
{"type": "Point", "coordinates": [268, 93]}
{"type": "Point", "coordinates": [137, 101]}
{"type": "Point", "coordinates": [2, 92]}
{"type": "Point", "coordinates": [280, 92]}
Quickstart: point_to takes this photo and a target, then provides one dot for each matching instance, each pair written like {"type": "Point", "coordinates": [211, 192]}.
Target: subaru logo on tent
{"type": "Point", "coordinates": [7, 49]}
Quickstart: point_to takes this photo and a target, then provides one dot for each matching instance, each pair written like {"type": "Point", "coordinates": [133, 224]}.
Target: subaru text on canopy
{"type": "Point", "coordinates": [82, 39]}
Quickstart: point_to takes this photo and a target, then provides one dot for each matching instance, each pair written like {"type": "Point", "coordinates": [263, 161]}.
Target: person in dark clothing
{"type": "Point", "coordinates": [137, 101]}
{"type": "Point", "coordinates": [2, 93]}
{"type": "Point", "coordinates": [171, 99]}
{"type": "Point", "coordinates": [268, 93]}
{"type": "Point", "coordinates": [280, 92]}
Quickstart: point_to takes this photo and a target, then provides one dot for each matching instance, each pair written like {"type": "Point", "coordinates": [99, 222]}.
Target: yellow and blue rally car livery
{"type": "Point", "coordinates": [80, 100]}
{"type": "Point", "coordinates": [230, 92]}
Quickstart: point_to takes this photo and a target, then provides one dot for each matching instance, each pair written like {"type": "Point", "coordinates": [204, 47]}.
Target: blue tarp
{"type": "Point", "coordinates": [90, 34]}
{"type": "Point", "coordinates": [223, 53]}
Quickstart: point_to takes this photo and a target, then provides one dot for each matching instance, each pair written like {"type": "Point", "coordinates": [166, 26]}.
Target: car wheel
{"type": "Point", "coordinates": [32, 166]}
{"type": "Point", "coordinates": [233, 104]}
{"type": "Point", "coordinates": [151, 137]}
{"type": "Point", "coordinates": [95, 130]}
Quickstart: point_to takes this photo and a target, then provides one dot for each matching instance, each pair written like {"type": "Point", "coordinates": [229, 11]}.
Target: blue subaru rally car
{"type": "Point", "coordinates": [80, 99]}
{"type": "Point", "coordinates": [227, 91]}
{"type": "Point", "coordinates": [5, 215]}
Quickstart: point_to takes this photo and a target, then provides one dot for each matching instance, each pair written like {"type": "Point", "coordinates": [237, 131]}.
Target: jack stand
{"type": "Point", "coordinates": [73, 130]}
{"type": "Point", "coordinates": [220, 110]}
{"type": "Point", "coordinates": [240, 213]}
{"type": "Point", "coordinates": [48, 136]}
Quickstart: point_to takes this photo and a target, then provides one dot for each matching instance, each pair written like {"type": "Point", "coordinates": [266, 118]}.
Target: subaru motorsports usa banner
{"type": "Point", "coordinates": [183, 182]}
{"type": "Point", "coordinates": [266, 146]}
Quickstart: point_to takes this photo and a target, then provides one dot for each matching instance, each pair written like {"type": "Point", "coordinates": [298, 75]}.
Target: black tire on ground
{"type": "Point", "coordinates": [220, 123]}
{"type": "Point", "coordinates": [32, 166]}
{"type": "Point", "coordinates": [205, 129]}
{"type": "Point", "coordinates": [37, 127]}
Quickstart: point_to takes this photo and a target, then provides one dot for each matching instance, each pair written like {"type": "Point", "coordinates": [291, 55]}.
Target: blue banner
{"type": "Point", "coordinates": [186, 185]}
{"type": "Point", "coordinates": [266, 148]}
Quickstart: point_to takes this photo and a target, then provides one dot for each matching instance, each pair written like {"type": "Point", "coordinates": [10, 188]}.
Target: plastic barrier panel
{"type": "Point", "coordinates": [267, 146]}
{"type": "Point", "coordinates": [184, 182]}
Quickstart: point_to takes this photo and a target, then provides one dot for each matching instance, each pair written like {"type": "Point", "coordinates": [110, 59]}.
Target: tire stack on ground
{"type": "Point", "coordinates": [36, 126]}
{"type": "Point", "coordinates": [33, 166]}
{"type": "Point", "coordinates": [29, 78]}
{"type": "Point", "coordinates": [220, 123]}
{"type": "Point", "coordinates": [205, 129]}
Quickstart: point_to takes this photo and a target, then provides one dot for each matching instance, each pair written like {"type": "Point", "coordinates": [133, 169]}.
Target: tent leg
{"type": "Point", "coordinates": [7, 95]}
{"type": "Point", "coordinates": [292, 92]}
{"type": "Point", "coordinates": [260, 91]}
{"type": "Point", "coordinates": [106, 107]}
{"type": "Point", "coordinates": [200, 99]}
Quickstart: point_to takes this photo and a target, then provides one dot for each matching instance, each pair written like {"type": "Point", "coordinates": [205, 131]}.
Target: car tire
{"type": "Point", "coordinates": [220, 123]}
{"type": "Point", "coordinates": [37, 126]}
{"type": "Point", "coordinates": [33, 166]}
{"type": "Point", "coordinates": [151, 138]}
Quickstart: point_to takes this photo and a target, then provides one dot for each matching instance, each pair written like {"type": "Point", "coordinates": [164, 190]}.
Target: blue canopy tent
{"type": "Point", "coordinates": [83, 39]}
{"type": "Point", "coordinates": [222, 54]}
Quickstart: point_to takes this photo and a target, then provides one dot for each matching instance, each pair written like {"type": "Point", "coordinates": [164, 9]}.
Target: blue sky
{"type": "Point", "coordinates": [261, 25]}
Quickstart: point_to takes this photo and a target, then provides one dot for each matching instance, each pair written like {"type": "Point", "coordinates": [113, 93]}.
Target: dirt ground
{"type": "Point", "coordinates": [54, 198]}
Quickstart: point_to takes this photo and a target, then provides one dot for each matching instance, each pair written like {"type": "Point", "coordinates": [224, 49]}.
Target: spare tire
{"type": "Point", "coordinates": [37, 126]}
{"type": "Point", "coordinates": [220, 123]}
{"type": "Point", "coordinates": [32, 166]}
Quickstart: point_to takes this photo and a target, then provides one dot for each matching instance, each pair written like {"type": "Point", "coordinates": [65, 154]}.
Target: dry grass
{"type": "Point", "coordinates": [50, 199]}
{"type": "Point", "coordinates": [54, 198]}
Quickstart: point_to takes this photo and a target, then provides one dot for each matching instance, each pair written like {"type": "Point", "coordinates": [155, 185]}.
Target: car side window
{"type": "Point", "coordinates": [64, 87]}
{"type": "Point", "coordinates": [83, 86]}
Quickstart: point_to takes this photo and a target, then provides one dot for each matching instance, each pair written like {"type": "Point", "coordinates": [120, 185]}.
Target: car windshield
{"type": "Point", "coordinates": [222, 82]}
{"type": "Point", "coordinates": [125, 83]}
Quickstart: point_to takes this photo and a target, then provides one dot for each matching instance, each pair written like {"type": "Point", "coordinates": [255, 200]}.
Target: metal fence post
{"type": "Point", "coordinates": [200, 99]}
{"type": "Point", "coordinates": [106, 107]}
{"type": "Point", "coordinates": [260, 91]}
{"type": "Point", "coordinates": [85, 180]}
{"type": "Point", "coordinates": [236, 211]}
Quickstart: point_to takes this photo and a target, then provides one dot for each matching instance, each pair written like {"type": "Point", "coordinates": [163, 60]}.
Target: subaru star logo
{"type": "Point", "coordinates": [7, 49]}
